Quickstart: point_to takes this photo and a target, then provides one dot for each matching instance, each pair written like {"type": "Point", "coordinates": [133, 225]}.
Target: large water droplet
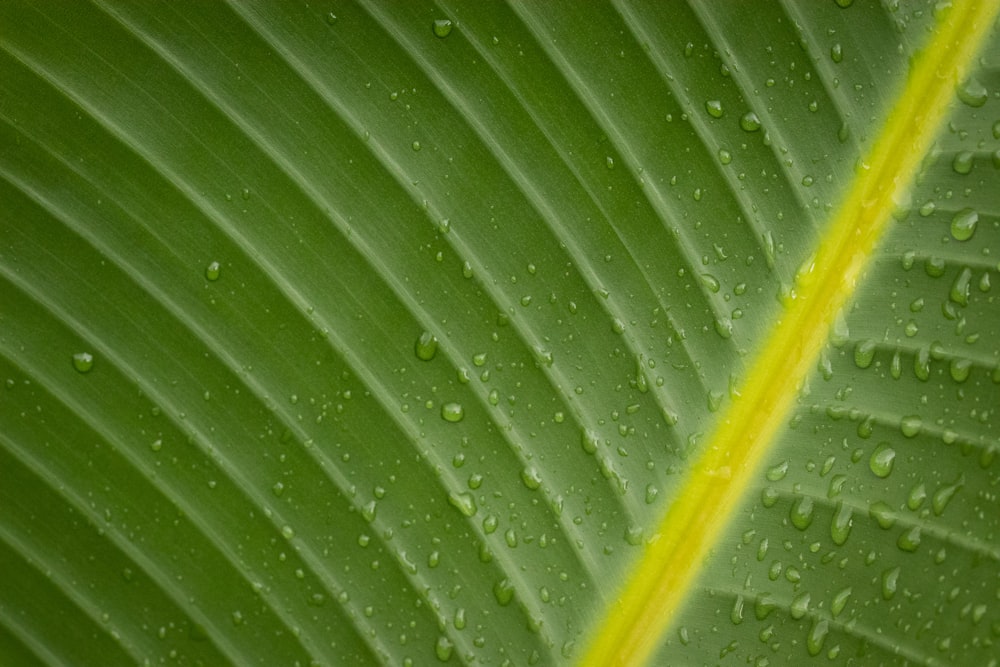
{"type": "Point", "coordinates": [973, 93]}
{"type": "Point", "coordinates": [882, 459]}
{"type": "Point", "coordinates": [909, 539]}
{"type": "Point", "coordinates": [801, 513]}
{"type": "Point", "coordinates": [840, 526]}
{"type": "Point", "coordinates": [890, 581]}
{"type": "Point", "coordinates": [463, 502]}
{"type": "Point", "coordinates": [213, 271]}
{"type": "Point", "coordinates": [714, 108]}
{"type": "Point", "coordinates": [963, 224]}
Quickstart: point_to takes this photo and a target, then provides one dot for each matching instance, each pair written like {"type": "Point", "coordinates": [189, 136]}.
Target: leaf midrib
{"type": "Point", "coordinates": [664, 577]}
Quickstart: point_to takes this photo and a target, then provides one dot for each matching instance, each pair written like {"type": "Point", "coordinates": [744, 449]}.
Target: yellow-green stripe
{"type": "Point", "coordinates": [632, 627]}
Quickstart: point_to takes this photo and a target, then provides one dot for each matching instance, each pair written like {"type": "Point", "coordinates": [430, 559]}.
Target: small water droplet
{"type": "Point", "coordinates": [837, 53]}
{"type": "Point", "coordinates": [503, 591]}
{"type": "Point", "coordinates": [83, 362]}
{"type": "Point", "coordinates": [944, 495]}
{"type": "Point", "coordinates": [736, 613]}
{"type": "Point", "coordinates": [531, 478]}
{"type": "Point", "coordinates": [963, 224]}
{"type": "Point", "coordinates": [213, 271]}
{"type": "Point", "coordinates": [443, 648]}
{"type": "Point", "coordinates": [452, 412]}
{"type": "Point", "coordinates": [778, 472]}
{"type": "Point", "coordinates": [864, 353]}
{"type": "Point", "coordinates": [750, 122]}
{"type": "Point", "coordinates": [799, 606]}
{"type": "Point", "coordinates": [890, 581]}
{"type": "Point", "coordinates": [882, 513]}
{"type": "Point", "coordinates": [910, 425]}
{"type": "Point", "coordinates": [463, 502]}
{"type": "Point", "coordinates": [882, 459]}
{"type": "Point", "coordinates": [287, 532]}
{"type": "Point", "coordinates": [909, 539]}
{"type": "Point", "coordinates": [426, 346]}
{"type": "Point", "coordinates": [714, 108]}
{"type": "Point", "coordinates": [442, 28]}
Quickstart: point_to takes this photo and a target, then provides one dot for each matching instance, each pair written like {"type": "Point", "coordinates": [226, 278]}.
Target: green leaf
{"type": "Point", "coordinates": [529, 334]}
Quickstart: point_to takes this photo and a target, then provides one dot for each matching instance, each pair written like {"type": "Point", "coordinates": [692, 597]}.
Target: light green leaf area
{"type": "Point", "coordinates": [388, 333]}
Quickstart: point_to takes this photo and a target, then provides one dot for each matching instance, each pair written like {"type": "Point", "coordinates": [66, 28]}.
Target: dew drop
{"type": "Point", "coordinates": [962, 287]}
{"type": "Point", "coordinates": [864, 353]}
{"type": "Point", "coordinates": [963, 161]}
{"type": "Point", "coordinates": [840, 601]}
{"type": "Point", "coordinates": [426, 346]}
{"type": "Point", "coordinates": [840, 526]}
{"type": "Point", "coordinates": [882, 513]}
{"type": "Point", "coordinates": [973, 93]}
{"type": "Point", "coordinates": [750, 122]}
{"type": "Point", "coordinates": [736, 613]}
{"type": "Point", "coordinates": [882, 459]}
{"type": "Point", "coordinates": [452, 412]}
{"type": "Point", "coordinates": [909, 539]}
{"type": "Point", "coordinates": [963, 224]}
{"type": "Point", "coordinates": [531, 478]}
{"type": "Point", "coordinates": [817, 635]}
{"type": "Point", "coordinates": [442, 28]}
{"type": "Point", "coordinates": [944, 495]}
{"type": "Point", "coordinates": [463, 502]}
{"type": "Point", "coordinates": [212, 271]}
{"type": "Point", "coordinates": [837, 53]}
{"type": "Point", "coordinates": [503, 591]}
{"type": "Point", "coordinates": [443, 648]}
{"type": "Point", "coordinates": [83, 362]}
{"type": "Point", "coordinates": [799, 606]}
{"type": "Point", "coordinates": [778, 472]}
{"type": "Point", "coordinates": [714, 108]}
{"type": "Point", "coordinates": [910, 425]}
{"type": "Point", "coordinates": [801, 513]}
{"type": "Point", "coordinates": [890, 580]}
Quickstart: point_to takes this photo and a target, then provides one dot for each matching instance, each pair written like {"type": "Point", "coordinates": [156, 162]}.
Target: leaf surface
{"type": "Point", "coordinates": [390, 334]}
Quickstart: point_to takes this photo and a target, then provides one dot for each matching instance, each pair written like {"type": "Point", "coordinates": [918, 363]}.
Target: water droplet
{"type": "Point", "coordinates": [287, 532]}
{"type": "Point", "coordinates": [817, 635]}
{"type": "Point", "coordinates": [910, 425]}
{"type": "Point", "coordinates": [463, 502]}
{"type": "Point", "coordinates": [973, 93]}
{"type": "Point", "coordinates": [442, 28]}
{"type": "Point", "coordinates": [633, 534]}
{"type": "Point", "coordinates": [710, 282]}
{"type": "Point", "coordinates": [840, 601]}
{"type": "Point", "coordinates": [763, 605]}
{"type": "Point", "coordinates": [750, 122]}
{"type": "Point", "coordinates": [944, 495]}
{"type": "Point", "coordinates": [369, 510]}
{"type": "Point", "coordinates": [882, 459]}
{"type": "Point", "coordinates": [736, 613]}
{"type": "Point", "coordinates": [890, 580]}
{"type": "Point", "coordinates": [531, 478]}
{"type": "Point", "coordinates": [503, 591]}
{"type": "Point", "coordinates": [837, 53]}
{"type": "Point", "coordinates": [962, 287]}
{"type": "Point", "coordinates": [844, 3]}
{"type": "Point", "coordinates": [589, 441]}
{"type": "Point", "coordinates": [864, 353]}
{"type": "Point", "coordinates": [963, 224]}
{"type": "Point", "coordinates": [452, 412]}
{"type": "Point", "coordinates": [714, 108]}
{"type": "Point", "coordinates": [212, 271]}
{"type": "Point", "coordinates": [83, 362]}
{"type": "Point", "coordinates": [778, 472]}
{"type": "Point", "coordinates": [963, 161]}
{"type": "Point", "coordinates": [840, 526]}
{"type": "Point", "coordinates": [277, 489]}
{"type": "Point", "coordinates": [882, 513]}
{"type": "Point", "coordinates": [799, 606]}
{"type": "Point", "coordinates": [725, 157]}
{"type": "Point", "coordinates": [909, 539]}
{"type": "Point", "coordinates": [801, 513]}
{"type": "Point", "coordinates": [443, 648]}
{"type": "Point", "coordinates": [426, 346]}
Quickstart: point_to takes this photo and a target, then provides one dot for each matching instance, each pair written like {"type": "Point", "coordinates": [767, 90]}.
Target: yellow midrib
{"type": "Point", "coordinates": [651, 598]}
